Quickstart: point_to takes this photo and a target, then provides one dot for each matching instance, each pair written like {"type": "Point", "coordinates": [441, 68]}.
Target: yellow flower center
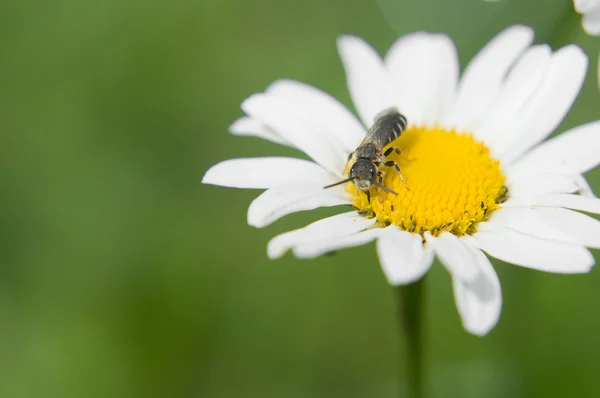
{"type": "Point", "coordinates": [453, 183]}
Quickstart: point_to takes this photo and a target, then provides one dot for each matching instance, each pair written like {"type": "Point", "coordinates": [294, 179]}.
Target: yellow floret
{"type": "Point", "coordinates": [452, 180]}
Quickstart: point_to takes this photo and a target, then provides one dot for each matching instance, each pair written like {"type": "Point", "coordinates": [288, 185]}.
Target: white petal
{"type": "Point", "coordinates": [319, 109]}
{"type": "Point", "coordinates": [483, 77]}
{"type": "Point", "coordinates": [246, 126]}
{"type": "Point", "coordinates": [476, 285]}
{"type": "Point", "coordinates": [328, 228]}
{"type": "Point", "coordinates": [576, 202]}
{"type": "Point", "coordinates": [584, 187]}
{"type": "Point", "coordinates": [591, 23]}
{"type": "Point", "coordinates": [542, 183]}
{"type": "Point", "coordinates": [290, 198]}
{"type": "Point", "coordinates": [424, 67]}
{"type": "Point", "coordinates": [576, 150]}
{"type": "Point", "coordinates": [368, 79]}
{"type": "Point", "coordinates": [315, 249]}
{"type": "Point", "coordinates": [548, 107]}
{"type": "Point", "coordinates": [551, 223]}
{"type": "Point", "coordinates": [454, 255]}
{"type": "Point", "coordinates": [539, 183]}
{"type": "Point", "coordinates": [524, 250]}
{"type": "Point", "coordinates": [479, 301]}
{"type": "Point", "coordinates": [530, 221]}
{"type": "Point", "coordinates": [521, 83]}
{"type": "Point", "coordinates": [265, 172]}
{"type": "Point", "coordinates": [282, 117]}
{"type": "Point", "coordinates": [403, 257]}
{"type": "Point", "coordinates": [582, 228]}
{"type": "Point", "coordinates": [585, 6]}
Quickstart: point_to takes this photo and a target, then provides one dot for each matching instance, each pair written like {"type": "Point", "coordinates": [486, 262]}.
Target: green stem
{"type": "Point", "coordinates": [411, 305]}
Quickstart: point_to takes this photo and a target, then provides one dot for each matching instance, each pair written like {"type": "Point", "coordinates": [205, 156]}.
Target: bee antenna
{"type": "Point", "coordinates": [384, 187]}
{"type": "Point", "coordinates": [338, 183]}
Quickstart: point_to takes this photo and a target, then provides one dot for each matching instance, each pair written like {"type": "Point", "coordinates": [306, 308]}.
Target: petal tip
{"type": "Point", "coordinates": [254, 220]}
{"type": "Point", "coordinates": [276, 250]}
{"type": "Point", "coordinates": [279, 84]}
{"type": "Point", "coordinates": [346, 41]}
{"type": "Point", "coordinates": [478, 330]}
{"type": "Point", "coordinates": [576, 57]}
{"type": "Point", "coordinates": [591, 26]}
{"type": "Point", "coordinates": [211, 175]}
{"type": "Point", "coordinates": [345, 38]}
{"type": "Point", "coordinates": [573, 49]}
{"type": "Point", "coordinates": [518, 33]}
{"type": "Point", "coordinates": [239, 126]}
{"type": "Point", "coordinates": [522, 29]}
{"type": "Point", "coordinates": [590, 263]}
{"type": "Point", "coordinates": [250, 103]}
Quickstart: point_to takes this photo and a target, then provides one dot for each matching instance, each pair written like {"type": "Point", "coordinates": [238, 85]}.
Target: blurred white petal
{"type": "Point", "coordinates": [591, 23]}
{"type": "Point", "coordinates": [591, 15]}
{"type": "Point", "coordinates": [585, 6]}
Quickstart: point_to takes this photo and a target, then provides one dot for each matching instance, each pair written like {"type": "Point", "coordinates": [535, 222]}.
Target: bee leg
{"type": "Point", "coordinates": [380, 176]}
{"type": "Point", "coordinates": [394, 149]}
{"type": "Point", "coordinates": [390, 150]}
{"type": "Point", "coordinates": [391, 163]}
{"type": "Point", "coordinates": [367, 213]}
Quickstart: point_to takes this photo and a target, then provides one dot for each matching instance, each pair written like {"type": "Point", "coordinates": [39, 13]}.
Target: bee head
{"type": "Point", "coordinates": [363, 174]}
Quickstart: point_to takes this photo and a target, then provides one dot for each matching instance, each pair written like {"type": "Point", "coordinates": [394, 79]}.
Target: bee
{"type": "Point", "coordinates": [369, 156]}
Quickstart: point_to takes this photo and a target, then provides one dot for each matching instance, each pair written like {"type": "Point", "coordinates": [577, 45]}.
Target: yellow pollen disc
{"type": "Point", "coordinates": [453, 183]}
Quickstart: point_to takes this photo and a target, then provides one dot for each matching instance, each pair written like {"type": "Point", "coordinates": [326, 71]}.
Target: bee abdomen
{"type": "Point", "coordinates": [389, 125]}
{"type": "Point", "coordinates": [396, 125]}
{"type": "Point", "coordinates": [400, 125]}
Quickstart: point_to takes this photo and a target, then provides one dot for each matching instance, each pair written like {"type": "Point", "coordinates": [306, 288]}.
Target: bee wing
{"type": "Point", "coordinates": [374, 136]}
{"type": "Point", "coordinates": [388, 126]}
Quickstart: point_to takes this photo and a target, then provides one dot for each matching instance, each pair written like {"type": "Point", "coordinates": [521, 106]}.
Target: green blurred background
{"type": "Point", "coordinates": [122, 276]}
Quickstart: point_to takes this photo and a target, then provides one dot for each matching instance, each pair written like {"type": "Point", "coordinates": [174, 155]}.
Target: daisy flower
{"type": "Point", "coordinates": [591, 15]}
{"type": "Point", "coordinates": [480, 180]}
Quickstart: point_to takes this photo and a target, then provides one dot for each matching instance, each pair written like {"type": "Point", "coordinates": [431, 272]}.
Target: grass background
{"type": "Point", "coordinates": [122, 276]}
